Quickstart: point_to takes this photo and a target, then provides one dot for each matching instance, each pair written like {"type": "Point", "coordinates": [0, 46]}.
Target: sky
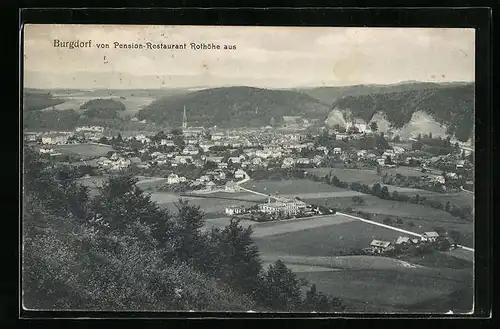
{"type": "Point", "coordinates": [267, 57]}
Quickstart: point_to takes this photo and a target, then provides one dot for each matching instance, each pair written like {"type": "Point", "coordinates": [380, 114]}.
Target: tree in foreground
{"type": "Point", "coordinates": [280, 289]}
{"type": "Point", "coordinates": [238, 260]}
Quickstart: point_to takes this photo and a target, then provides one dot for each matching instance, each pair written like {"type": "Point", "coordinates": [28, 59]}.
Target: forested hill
{"type": "Point", "coordinates": [234, 107]}
{"type": "Point", "coordinates": [99, 104]}
{"type": "Point", "coordinates": [328, 95]}
{"type": "Point", "coordinates": [452, 106]}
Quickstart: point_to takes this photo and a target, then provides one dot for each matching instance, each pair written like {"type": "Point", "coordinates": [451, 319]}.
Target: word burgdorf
{"type": "Point", "coordinates": [72, 44]}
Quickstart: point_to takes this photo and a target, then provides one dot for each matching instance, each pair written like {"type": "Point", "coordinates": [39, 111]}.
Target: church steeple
{"type": "Point", "coordinates": [184, 119]}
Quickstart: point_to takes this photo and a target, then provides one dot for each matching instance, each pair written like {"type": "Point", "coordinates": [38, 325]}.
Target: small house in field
{"type": "Point", "coordinates": [430, 236]}
{"type": "Point", "coordinates": [210, 185]}
{"type": "Point", "coordinates": [235, 210]}
{"type": "Point", "coordinates": [403, 241]}
{"type": "Point", "coordinates": [173, 179]}
{"type": "Point", "coordinates": [231, 186]}
{"type": "Point", "coordinates": [378, 246]}
{"type": "Point", "coordinates": [240, 174]}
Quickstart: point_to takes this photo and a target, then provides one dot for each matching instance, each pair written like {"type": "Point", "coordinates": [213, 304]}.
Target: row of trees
{"type": "Point", "coordinates": [382, 192]}
{"type": "Point", "coordinates": [118, 250]}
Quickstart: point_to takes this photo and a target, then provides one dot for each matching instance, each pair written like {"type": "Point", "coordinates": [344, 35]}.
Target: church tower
{"type": "Point", "coordinates": [184, 119]}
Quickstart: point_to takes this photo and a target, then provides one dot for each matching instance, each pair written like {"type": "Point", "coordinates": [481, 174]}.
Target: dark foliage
{"type": "Point", "coordinates": [233, 107]}
{"type": "Point", "coordinates": [120, 251]}
{"type": "Point", "coordinates": [34, 101]}
{"type": "Point", "coordinates": [453, 105]}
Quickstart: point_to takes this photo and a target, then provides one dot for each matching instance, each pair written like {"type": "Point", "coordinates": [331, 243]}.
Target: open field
{"type": "Point", "coordinates": [325, 240]}
{"type": "Point", "coordinates": [424, 218]}
{"type": "Point", "coordinates": [369, 290]}
{"type": "Point", "coordinates": [405, 210]}
{"type": "Point", "coordinates": [368, 177]}
{"type": "Point", "coordinates": [461, 254]}
{"type": "Point", "coordinates": [208, 206]}
{"type": "Point", "coordinates": [448, 259]}
{"type": "Point", "coordinates": [268, 229]}
{"type": "Point", "coordinates": [148, 183]}
{"type": "Point", "coordinates": [366, 283]}
{"type": "Point", "coordinates": [93, 181]}
{"type": "Point", "coordinates": [83, 150]}
{"type": "Point", "coordinates": [302, 268]}
{"type": "Point", "coordinates": [347, 262]}
{"type": "Point", "coordinates": [292, 186]}
{"type": "Point", "coordinates": [410, 171]}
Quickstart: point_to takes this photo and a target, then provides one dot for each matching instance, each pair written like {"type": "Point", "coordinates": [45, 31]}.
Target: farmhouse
{"type": "Point", "coordinates": [55, 139]}
{"type": "Point", "coordinates": [167, 142]}
{"type": "Point", "coordinates": [183, 159]}
{"type": "Point", "coordinates": [173, 179]}
{"type": "Point", "coordinates": [263, 154]}
{"type": "Point", "coordinates": [437, 179]}
{"type": "Point", "coordinates": [45, 151]}
{"type": "Point", "coordinates": [193, 131]}
{"type": "Point", "coordinates": [398, 150]}
{"type": "Point", "coordinates": [217, 174]}
{"type": "Point", "coordinates": [337, 150]}
{"type": "Point", "coordinates": [288, 162]}
{"type": "Point", "coordinates": [240, 174]}
{"type": "Point", "coordinates": [303, 161]}
{"type": "Point", "coordinates": [361, 153]}
{"type": "Point", "coordinates": [460, 163]}
{"type": "Point", "coordinates": [217, 136]}
{"type": "Point", "coordinates": [234, 159]}
{"type": "Point", "coordinates": [404, 241]}
{"type": "Point", "coordinates": [430, 236]}
{"type": "Point", "coordinates": [142, 138]}
{"type": "Point", "coordinates": [222, 165]}
{"type": "Point", "coordinates": [30, 137]}
{"type": "Point", "coordinates": [190, 150]}
{"type": "Point", "coordinates": [234, 210]}
{"type": "Point", "coordinates": [378, 246]}
{"type": "Point", "coordinates": [204, 178]}
{"type": "Point", "coordinates": [206, 146]}
{"type": "Point", "coordinates": [231, 186]}
{"type": "Point", "coordinates": [213, 159]}
{"type": "Point", "coordinates": [210, 185]}
{"type": "Point", "coordinates": [97, 129]}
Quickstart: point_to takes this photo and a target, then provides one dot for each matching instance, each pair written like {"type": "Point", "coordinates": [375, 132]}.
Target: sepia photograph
{"type": "Point", "coordinates": [261, 169]}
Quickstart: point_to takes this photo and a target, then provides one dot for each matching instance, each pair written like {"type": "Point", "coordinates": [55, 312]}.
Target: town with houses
{"type": "Point", "coordinates": [235, 151]}
{"type": "Point", "coordinates": [225, 159]}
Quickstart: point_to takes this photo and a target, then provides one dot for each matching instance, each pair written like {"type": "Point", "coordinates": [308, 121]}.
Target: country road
{"type": "Point", "coordinates": [467, 191]}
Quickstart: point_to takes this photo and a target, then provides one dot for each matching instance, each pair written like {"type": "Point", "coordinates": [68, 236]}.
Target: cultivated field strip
{"type": "Point", "coordinates": [294, 225]}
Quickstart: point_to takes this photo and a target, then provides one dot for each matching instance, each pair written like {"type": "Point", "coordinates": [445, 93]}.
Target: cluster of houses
{"type": "Point", "coordinates": [380, 246]}
{"type": "Point", "coordinates": [85, 133]}
{"type": "Point", "coordinates": [114, 162]}
{"type": "Point", "coordinates": [249, 149]}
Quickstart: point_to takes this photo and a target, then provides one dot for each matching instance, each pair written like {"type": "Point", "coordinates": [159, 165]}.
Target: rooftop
{"type": "Point", "coordinates": [378, 243]}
